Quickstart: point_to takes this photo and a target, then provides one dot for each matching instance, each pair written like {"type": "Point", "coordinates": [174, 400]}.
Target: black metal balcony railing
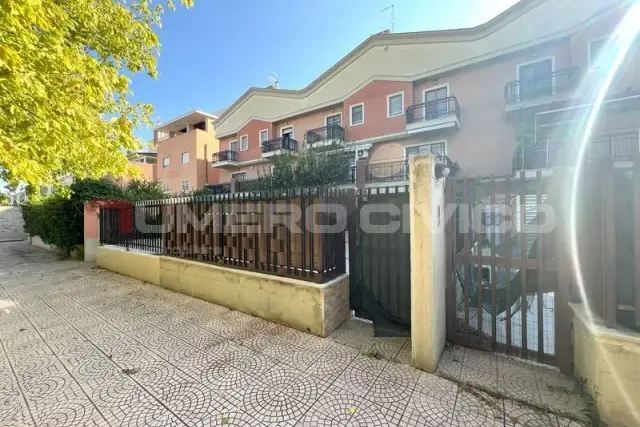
{"type": "Point", "coordinates": [390, 171]}
{"type": "Point", "coordinates": [326, 133]}
{"type": "Point", "coordinates": [279, 143]}
{"type": "Point", "coordinates": [225, 156]}
{"type": "Point", "coordinates": [219, 188]}
{"type": "Point", "coordinates": [431, 110]}
{"type": "Point", "coordinates": [540, 86]}
{"type": "Point", "coordinates": [548, 154]}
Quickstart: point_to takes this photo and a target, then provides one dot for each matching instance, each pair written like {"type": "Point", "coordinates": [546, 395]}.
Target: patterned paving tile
{"type": "Point", "coordinates": [86, 347]}
{"type": "Point", "coordinates": [517, 415]}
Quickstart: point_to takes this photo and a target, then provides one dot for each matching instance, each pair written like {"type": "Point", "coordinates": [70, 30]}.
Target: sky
{"type": "Point", "coordinates": [212, 53]}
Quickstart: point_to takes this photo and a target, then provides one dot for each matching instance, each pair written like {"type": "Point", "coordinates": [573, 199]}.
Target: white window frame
{"type": "Point", "coordinates": [533, 61]}
{"type": "Point", "coordinates": [235, 141]}
{"type": "Point", "coordinates": [361, 104]}
{"type": "Point", "coordinates": [591, 63]}
{"type": "Point", "coordinates": [334, 114]}
{"type": "Point", "coordinates": [244, 136]}
{"type": "Point", "coordinates": [260, 135]}
{"type": "Point", "coordinates": [426, 143]}
{"type": "Point", "coordinates": [166, 162]}
{"type": "Point", "coordinates": [424, 92]}
{"type": "Point", "coordinates": [166, 187]}
{"type": "Point", "coordinates": [293, 135]}
{"type": "Point", "coordinates": [388, 105]}
{"type": "Point", "coordinates": [182, 186]}
{"type": "Point", "coordinates": [182, 157]}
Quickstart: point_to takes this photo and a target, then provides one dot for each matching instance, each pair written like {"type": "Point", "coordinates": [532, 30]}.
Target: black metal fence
{"type": "Point", "coordinates": [326, 133]}
{"type": "Point", "coordinates": [295, 233]}
{"type": "Point", "coordinates": [225, 156]}
{"type": "Point", "coordinates": [388, 171]}
{"type": "Point", "coordinates": [542, 85]}
{"type": "Point", "coordinates": [279, 143]}
{"type": "Point", "coordinates": [432, 110]}
{"type": "Point", "coordinates": [132, 226]}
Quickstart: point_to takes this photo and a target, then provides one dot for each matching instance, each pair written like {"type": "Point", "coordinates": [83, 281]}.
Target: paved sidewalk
{"type": "Point", "coordinates": [86, 347]}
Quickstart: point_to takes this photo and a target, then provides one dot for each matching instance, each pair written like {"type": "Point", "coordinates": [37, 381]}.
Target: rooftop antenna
{"type": "Point", "coordinates": [393, 16]}
{"type": "Point", "coordinates": [274, 79]}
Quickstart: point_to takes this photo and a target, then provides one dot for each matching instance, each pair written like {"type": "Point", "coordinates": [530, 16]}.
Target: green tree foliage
{"type": "Point", "coordinates": [4, 200]}
{"type": "Point", "coordinates": [309, 168]}
{"type": "Point", "coordinates": [59, 220]}
{"type": "Point", "coordinates": [64, 85]}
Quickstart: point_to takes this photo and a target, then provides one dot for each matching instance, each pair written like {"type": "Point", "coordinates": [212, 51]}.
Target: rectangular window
{"type": "Point", "coordinates": [433, 148]}
{"type": "Point", "coordinates": [264, 135]}
{"type": "Point", "coordinates": [185, 185]}
{"type": "Point", "coordinates": [595, 50]}
{"type": "Point", "coordinates": [185, 157]}
{"type": "Point", "coordinates": [536, 79]}
{"type": "Point", "coordinates": [288, 131]}
{"type": "Point", "coordinates": [166, 187]}
{"type": "Point", "coordinates": [165, 162]}
{"type": "Point", "coordinates": [233, 146]}
{"type": "Point", "coordinates": [436, 103]}
{"type": "Point", "coordinates": [240, 176]}
{"type": "Point", "coordinates": [244, 143]}
{"type": "Point", "coordinates": [357, 114]}
{"type": "Point", "coordinates": [395, 104]}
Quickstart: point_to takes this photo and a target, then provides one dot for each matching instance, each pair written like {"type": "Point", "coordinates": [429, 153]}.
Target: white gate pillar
{"type": "Point", "coordinates": [428, 263]}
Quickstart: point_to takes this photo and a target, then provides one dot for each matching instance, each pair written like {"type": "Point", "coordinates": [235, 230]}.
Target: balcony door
{"type": "Point", "coordinates": [536, 79]}
{"type": "Point", "coordinates": [436, 103]}
{"type": "Point", "coordinates": [332, 123]}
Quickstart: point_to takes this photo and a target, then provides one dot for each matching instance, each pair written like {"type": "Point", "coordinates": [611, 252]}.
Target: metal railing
{"type": "Point", "coordinates": [225, 156]}
{"type": "Point", "coordinates": [326, 133]}
{"type": "Point", "coordinates": [389, 171]}
{"type": "Point", "coordinates": [550, 153]}
{"type": "Point", "coordinates": [132, 226]}
{"type": "Point", "coordinates": [541, 86]}
{"type": "Point", "coordinates": [432, 110]}
{"type": "Point", "coordinates": [279, 143]}
{"type": "Point", "coordinates": [208, 229]}
{"type": "Point", "coordinates": [219, 188]}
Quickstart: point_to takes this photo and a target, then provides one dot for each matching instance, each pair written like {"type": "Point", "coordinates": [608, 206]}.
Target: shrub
{"type": "Point", "coordinates": [59, 220]}
{"type": "Point", "coordinates": [310, 168]}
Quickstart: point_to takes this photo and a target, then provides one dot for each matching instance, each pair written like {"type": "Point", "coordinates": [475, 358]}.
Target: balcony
{"type": "Point", "coordinates": [327, 135]}
{"type": "Point", "coordinates": [388, 171]}
{"type": "Point", "coordinates": [621, 147]}
{"type": "Point", "coordinates": [227, 159]}
{"type": "Point", "coordinates": [541, 90]}
{"type": "Point", "coordinates": [438, 115]}
{"type": "Point", "coordinates": [279, 145]}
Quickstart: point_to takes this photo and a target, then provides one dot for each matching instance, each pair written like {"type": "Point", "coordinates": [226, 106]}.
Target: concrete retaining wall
{"type": "Point", "coordinates": [608, 359]}
{"type": "Point", "coordinates": [309, 307]}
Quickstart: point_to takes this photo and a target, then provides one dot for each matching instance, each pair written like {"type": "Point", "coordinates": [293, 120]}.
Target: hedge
{"type": "Point", "coordinates": [59, 220]}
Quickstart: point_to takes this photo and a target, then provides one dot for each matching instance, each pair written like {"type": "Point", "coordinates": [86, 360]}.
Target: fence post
{"type": "Point", "coordinates": [91, 231]}
{"type": "Point", "coordinates": [428, 283]}
{"type": "Point", "coordinates": [361, 174]}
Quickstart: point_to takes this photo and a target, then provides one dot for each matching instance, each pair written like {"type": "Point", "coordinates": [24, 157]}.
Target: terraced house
{"type": "Point", "coordinates": [506, 95]}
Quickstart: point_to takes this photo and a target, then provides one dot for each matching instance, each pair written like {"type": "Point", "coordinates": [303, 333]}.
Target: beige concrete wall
{"type": "Point", "coordinates": [142, 266]}
{"type": "Point", "coordinates": [428, 301]}
{"type": "Point", "coordinates": [11, 223]}
{"type": "Point", "coordinates": [609, 361]}
{"type": "Point", "coordinates": [309, 307]}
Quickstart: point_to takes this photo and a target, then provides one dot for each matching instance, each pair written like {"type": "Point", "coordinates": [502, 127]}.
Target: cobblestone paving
{"type": "Point", "coordinates": [86, 347]}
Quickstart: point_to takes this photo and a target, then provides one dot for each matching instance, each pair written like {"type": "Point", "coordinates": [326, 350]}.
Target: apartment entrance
{"type": "Point", "coordinates": [379, 253]}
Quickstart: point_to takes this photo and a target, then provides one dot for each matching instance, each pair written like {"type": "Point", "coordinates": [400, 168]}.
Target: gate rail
{"type": "Point", "coordinates": [502, 281]}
